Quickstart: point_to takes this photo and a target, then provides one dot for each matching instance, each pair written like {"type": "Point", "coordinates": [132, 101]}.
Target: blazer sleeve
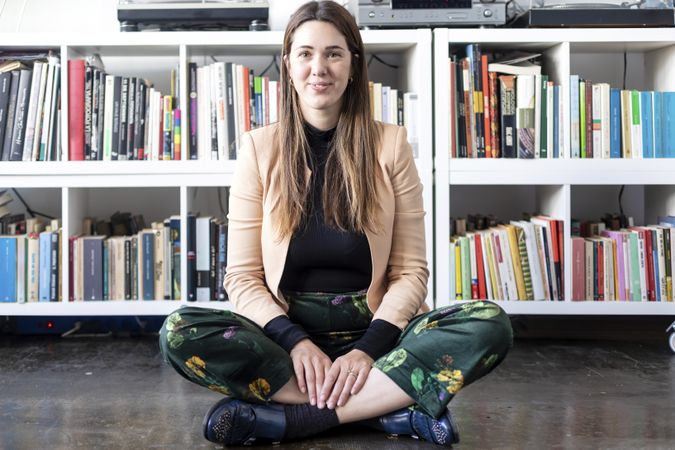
{"type": "Point", "coordinates": [245, 276]}
{"type": "Point", "coordinates": [407, 272]}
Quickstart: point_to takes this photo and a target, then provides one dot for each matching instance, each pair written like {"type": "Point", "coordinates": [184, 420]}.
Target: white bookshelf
{"type": "Point", "coordinates": [563, 188]}
{"type": "Point", "coordinates": [73, 190]}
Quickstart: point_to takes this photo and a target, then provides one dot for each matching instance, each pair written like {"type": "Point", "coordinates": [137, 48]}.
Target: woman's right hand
{"type": "Point", "coordinates": [310, 365]}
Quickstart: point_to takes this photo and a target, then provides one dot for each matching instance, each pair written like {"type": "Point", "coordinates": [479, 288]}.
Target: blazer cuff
{"type": "Point", "coordinates": [284, 332]}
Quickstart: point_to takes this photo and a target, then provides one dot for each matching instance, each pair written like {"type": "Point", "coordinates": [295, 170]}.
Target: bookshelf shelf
{"type": "Point", "coordinates": [562, 188]}
{"type": "Point", "coordinates": [589, 308]}
{"type": "Point", "coordinates": [563, 171]}
{"type": "Point", "coordinates": [104, 308]}
{"type": "Point", "coordinates": [155, 188]}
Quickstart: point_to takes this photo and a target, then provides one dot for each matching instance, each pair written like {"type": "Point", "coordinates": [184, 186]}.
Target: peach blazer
{"type": "Point", "coordinates": [256, 256]}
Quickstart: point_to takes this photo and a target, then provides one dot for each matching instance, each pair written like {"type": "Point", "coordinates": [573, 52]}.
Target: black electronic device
{"type": "Point", "coordinates": [594, 16]}
{"type": "Point", "coordinates": [166, 15]}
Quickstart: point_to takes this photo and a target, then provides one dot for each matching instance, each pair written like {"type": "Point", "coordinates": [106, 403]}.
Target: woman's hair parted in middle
{"type": "Point", "coordinates": [349, 192]}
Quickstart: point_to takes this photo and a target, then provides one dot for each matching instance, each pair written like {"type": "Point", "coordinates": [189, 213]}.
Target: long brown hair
{"type": "Point", "coordinates": [349, 192]}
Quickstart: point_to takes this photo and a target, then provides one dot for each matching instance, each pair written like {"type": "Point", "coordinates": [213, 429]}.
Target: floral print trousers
{"type": "Point", "coordinates": [437, 354]}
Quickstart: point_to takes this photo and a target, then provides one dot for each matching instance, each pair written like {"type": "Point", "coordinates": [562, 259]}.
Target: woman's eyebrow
{"type": "Point", "coordinates": [330, 47]}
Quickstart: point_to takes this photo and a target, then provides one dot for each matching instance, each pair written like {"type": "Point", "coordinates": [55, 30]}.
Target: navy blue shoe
{"type": "Point", "coordinates": [411, 422]}
{"type": "Point", "coordinates": [234, 422]}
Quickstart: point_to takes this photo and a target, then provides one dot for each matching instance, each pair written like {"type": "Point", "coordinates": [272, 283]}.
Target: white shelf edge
{"type": "Point", "coordinates": [104, 308]}
{"type": "Point", "coordinates": [584, 308]}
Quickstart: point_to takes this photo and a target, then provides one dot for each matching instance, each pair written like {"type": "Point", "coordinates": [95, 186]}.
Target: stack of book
{"type": "Point", "coordinates": [30, 265]}
{"type": "Point", "coordinates": [522, 260]}
{"type": "Point", "coordinates": [30, 112]}
{"type": "Point", "coordinates": [502, 109]}
{"type": "Point", "coordinates": [113, 117]}
{"type": "Point", "coordinates": [389, 105]}
{"type": "Point", "coordinates": [608, 122]}
{"type": "Point", "coordinates": [629, 264]}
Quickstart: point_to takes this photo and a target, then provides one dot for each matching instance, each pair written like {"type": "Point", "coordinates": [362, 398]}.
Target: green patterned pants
{"type": "Point", "coordinates": [437, 354]}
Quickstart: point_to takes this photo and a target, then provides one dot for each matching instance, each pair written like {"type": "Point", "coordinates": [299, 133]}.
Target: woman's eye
{"type": "Point", "coordinates": [303, 54]}
{"type": "Point", "coordinates": [334, 55]}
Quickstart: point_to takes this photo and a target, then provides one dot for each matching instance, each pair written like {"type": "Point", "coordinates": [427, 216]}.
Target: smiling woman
{"type": "Point", "coordinates": [327, 270]}
{"type": "Point", "coordinates": [319, 65]}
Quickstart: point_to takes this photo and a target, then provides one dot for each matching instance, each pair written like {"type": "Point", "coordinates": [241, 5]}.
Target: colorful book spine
{"type": "Point", "coordinates": [615, 123]}
{"type": "Point", "coordinates": [8, 291]}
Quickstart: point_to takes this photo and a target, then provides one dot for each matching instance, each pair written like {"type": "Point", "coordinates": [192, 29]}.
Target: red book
{"type": "Point", "coordinates": [486, 105]}
{"type": "Point", "coordinates": [482, 295]}
{"type": "Point", "coordinates": [601, 270]}
{"type": "Point", "coordinates": [76, 110]}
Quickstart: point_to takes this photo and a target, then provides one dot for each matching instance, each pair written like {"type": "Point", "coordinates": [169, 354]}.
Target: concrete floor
{"type": "Point", "coordinates": [116, 393]}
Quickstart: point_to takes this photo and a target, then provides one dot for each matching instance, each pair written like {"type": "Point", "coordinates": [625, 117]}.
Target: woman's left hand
{"type": "Point", "coordinates": [346, 377]}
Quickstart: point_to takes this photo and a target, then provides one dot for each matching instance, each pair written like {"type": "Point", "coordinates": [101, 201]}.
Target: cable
{"type": "Point", "coordinates": [620, 203]}
{"type": "Point", "coordinates": [29, 210]}
{"type": "Point", "coordinates": [272, 63]}
{"type": "Point", "coordinates": [381, 61]}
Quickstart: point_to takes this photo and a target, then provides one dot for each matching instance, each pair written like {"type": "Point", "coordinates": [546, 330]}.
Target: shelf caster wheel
{"type": "Point", "coordinates": [671, 341]}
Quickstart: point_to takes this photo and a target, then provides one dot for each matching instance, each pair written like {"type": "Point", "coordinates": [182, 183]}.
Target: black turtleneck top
{"type": "Point", "coordinates": [322, 258]}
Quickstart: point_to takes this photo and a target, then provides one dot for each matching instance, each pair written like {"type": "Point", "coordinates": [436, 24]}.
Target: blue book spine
{"type": "Point", "coordinates": [614, 123]}
{"type": "Point", "coordinates": [556, 122]}
{"type": "Point", "coordinates": [45, 266]}
{"type": "Point", "coordinates": [647, 124]}
{"type": "Point", "coordinates": [668, 105]}
{"type": "Point", "coordinates": [148, 266]}
{"type": "Point", "coordinates": [7, 269]}
{"type": "Point", "coordinates": [574, 116]}
{"type": "Point", "coordinates": [658, 125]}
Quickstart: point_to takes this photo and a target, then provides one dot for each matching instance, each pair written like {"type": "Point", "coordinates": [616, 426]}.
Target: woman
{"type": "Point", "coordinates": [327, 270]}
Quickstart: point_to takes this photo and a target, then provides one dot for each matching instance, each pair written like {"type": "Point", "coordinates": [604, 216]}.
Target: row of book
{"type": "Point", "coordinates": [633, 264]}
{"type": "Point", "coordinates": [30, 108]}
{"type": "Point", "coordinates": [144, 265]}
{"type": "Point", "coordinates": [608, 122]}
{"type": "Point", "coordinates": [504, 109]}
{"type": "Point", "coordinates": [522, 260]}
{"type": "Point", "coordinates": [226, 100]}
{"type": "Point", "coordinates": [30, 267]}
{"type": "Point", "coordinates": [113, 117]}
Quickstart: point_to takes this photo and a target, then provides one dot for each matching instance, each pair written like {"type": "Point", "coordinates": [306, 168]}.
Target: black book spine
{"type": "Point", "coordinates": [139, 145]}
{"type": "Point", "coordinates": [54, 269]}
{"type": "Point", "coordinates": [54, 134]}
{"type": "Point", "coordinates": [194, 116]}
{"type": "Point", "coordinates": [131, 118]}
{"type": "Point", "coordinates": [88, 99]}
{"type": "Point", "coordinates": [222, 262]}
{"type": "Point", "coordinates": [11, 112]}
{"type": "Point", "coordinates": [117, 93]}
{"type": "Point", "coordinates": [5, 87]}
{"type": "Point", "coordinates": [94, 114]}
{"type": "Point", "coordinates": [124, 98]}
{"type": "Point", "coordinates": [191, 258]}
{"type": "Point", "coordinates": [127, 269]}
{"type": "Point", "coordinates": [213, 258]}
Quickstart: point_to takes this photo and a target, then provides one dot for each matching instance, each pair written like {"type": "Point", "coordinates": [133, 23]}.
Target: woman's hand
{"type": "Point", "coordinates": [310, 365]}
{"type": "Point", "coordinates": [346, 377]}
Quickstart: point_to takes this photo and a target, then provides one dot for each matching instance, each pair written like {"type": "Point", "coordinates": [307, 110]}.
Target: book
{"type": "Point", "coordinates": [76, 107]}
{"type": "Point", "coordinates": [525, 115]}
{"type": "Point", "coordinates": [507, 90]}
{"type": "Point", "coordinates": [8, 272]}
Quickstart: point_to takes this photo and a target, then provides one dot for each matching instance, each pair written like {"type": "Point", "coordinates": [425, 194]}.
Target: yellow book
{"type": "Point", "coordinates": [515, 258]}
{"type": "Point", "coordinates": [495, 281]}
{"type": "Point", "coordinates": [626, 145]}
{"type": "Point", "coordinates": [458, 272]}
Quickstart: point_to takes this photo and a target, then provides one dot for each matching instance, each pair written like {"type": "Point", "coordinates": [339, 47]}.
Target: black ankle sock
{"type": "Point", "coordinates": [307, 420]}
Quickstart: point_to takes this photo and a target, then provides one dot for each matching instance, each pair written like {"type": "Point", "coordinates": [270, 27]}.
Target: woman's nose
{"type": "Point", "coordinates": [318, 65]}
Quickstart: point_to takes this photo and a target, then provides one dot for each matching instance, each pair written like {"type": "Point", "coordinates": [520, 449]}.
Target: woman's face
{"type": "Point", "coordinates": [319, 65]}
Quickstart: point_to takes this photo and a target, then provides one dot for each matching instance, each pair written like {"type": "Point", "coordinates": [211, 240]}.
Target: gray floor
{"type": "Point", "coordinates": [116, 393]}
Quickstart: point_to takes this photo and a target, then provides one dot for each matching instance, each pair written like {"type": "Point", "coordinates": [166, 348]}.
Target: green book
{"type": "Point", "coordinates": [582, 118]}
{"type": "Point", "coordinates": [635, 290]}
{"type": "Point", "coordinates": [466, 267]}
